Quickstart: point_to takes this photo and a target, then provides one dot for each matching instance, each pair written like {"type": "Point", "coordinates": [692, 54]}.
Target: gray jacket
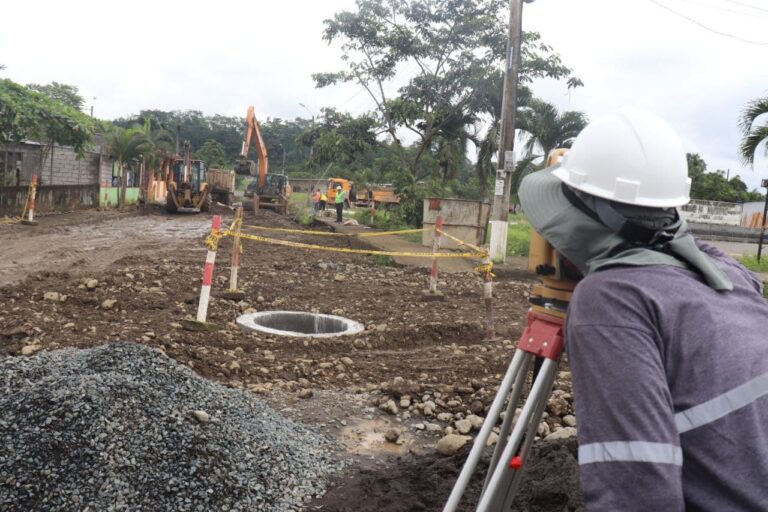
{"type": "Point", "coordinates": [671, 389]}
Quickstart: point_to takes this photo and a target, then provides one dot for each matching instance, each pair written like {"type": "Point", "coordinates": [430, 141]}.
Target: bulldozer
{"type": "Point", "coordinates": [270, 190]}
{"type": "Point", "coordinates": [188, 191]}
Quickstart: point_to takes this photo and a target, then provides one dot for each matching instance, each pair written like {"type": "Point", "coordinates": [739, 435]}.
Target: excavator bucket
{"type": "Point", "coordinates": [246, 167]}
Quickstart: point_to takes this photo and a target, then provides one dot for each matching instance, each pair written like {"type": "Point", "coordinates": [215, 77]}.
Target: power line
{"type": "Point", "coordinates": [725, 9]}
{"type": "Point", "coordinates": [747, 5]}
{"type": "Point", "coordinates": [710, 29]}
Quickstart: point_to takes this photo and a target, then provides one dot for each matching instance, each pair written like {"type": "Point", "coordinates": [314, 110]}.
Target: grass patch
{"type": "Point", "coordinates": [300, 209]}
{"type": "Point", "coordinates": [750, 261]}
{"type": "Point", "coordinates": [384, 260]}
{"type": "Point", "coordinates": [518, 235]}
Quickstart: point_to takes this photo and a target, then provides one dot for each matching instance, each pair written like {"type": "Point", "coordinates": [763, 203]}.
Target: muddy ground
{"type": "Point", "coordinates": [87, 278]}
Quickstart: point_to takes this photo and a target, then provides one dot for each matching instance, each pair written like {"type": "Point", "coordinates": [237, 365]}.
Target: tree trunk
{"type": "Point", "coordinates": [121, 201]}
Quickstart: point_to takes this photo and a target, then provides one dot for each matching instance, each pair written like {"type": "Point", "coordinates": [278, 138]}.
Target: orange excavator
{"type": "Point", "coordinates": [269, 190]}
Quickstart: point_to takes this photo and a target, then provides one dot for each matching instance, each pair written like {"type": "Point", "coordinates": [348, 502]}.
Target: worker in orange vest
{"type": "Point", "coordinates": [316, 201]}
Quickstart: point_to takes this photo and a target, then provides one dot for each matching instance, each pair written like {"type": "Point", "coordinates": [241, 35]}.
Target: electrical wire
{"type": "Point", "coordinates": [710, 29]}
{"type": "Point", "coordinates": [725, 9]}
{"type": "Point", "coordinates": [747, 5]}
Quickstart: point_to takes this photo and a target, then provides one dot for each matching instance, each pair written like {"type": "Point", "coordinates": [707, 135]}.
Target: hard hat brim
{"type": "Point", "coordinates": [541, 196]}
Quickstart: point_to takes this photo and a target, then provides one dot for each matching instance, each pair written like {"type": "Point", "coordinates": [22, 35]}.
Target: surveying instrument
{"type": "Point", "coordinates": [541, 342]}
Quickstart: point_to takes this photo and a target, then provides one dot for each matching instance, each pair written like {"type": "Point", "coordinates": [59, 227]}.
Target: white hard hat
{"type": "Point", "coordinates": [338, 187]}
{"type": "Point", "coordinates": [630, 156]}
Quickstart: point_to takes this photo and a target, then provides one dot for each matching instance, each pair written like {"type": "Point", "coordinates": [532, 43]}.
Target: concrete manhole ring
{"type": "Point", "coordinates": [299, 323]}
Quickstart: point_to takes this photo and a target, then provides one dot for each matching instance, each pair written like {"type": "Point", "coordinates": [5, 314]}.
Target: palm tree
{"type": "Point", "coordinates": [124, 145]}
{"type": "Point", "coordinates": [754, 134]}
{"type": "Point", "coordinates": [157, 146]}
{"type": "Point", "coordinates": [545, 129]}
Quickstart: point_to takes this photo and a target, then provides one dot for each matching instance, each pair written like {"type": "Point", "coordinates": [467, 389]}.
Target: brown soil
{"type": "Point", "coordinates": [152, 266]}
{"type": "Point", "coordinates": [423, 483]}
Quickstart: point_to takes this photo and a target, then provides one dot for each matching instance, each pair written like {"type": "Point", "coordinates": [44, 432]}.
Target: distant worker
{"type": "Point", "coordinates": [323, 201]}
{"type": "Point", "coordinates": [666, 336]}
{"type": "Point", "coordinates": [340, 196]}
{"type": "Point", "coordinates": [315, 201]}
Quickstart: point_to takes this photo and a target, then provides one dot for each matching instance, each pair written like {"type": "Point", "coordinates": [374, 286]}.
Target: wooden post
{"type": "Point", "coordinates": [373, 211]}
{"type": "Point", "coordinates": [30, 220]}
{"type": "Point", "coordinates": [490, 331]}
{"type": "Point", "coordinates": [236, 251]}
{"type": "Point", "coordinates": [436, 238]}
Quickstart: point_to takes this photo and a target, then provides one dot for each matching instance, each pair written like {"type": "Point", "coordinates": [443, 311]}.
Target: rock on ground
{"type": "Point", "coordinates": [118, 427]}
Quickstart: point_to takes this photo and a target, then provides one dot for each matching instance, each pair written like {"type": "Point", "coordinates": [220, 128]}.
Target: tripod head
{"type": "Point", "coordinates": [558, 277]}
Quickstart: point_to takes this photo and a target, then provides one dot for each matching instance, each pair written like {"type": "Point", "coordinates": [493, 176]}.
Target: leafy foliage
{"type": "Point", "coordinates": [714, 186]}
{"type": "Point", "coordinates": [753, 134]}
{"type": "Point", "coordinates": [63, 93]}
{"type": "Point", "coordinates": [213, 154]}
{"type": "Point", "coordinates": [228, 132]}
{"type": "Point", "coordinates": [29, 115]}
{"type": "Point", "coordinates": [456, 47]}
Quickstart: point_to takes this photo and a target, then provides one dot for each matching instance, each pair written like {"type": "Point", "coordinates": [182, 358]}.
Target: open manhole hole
{"type": "Point", "coordinates": [298, 323]}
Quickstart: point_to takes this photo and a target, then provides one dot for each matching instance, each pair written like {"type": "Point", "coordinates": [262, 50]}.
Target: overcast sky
{"type": "Point", "coordinates": [219, 57]}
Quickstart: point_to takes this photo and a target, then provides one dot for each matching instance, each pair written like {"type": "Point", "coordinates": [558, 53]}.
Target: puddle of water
{"type": "Point", "coordinates": [366, 437]}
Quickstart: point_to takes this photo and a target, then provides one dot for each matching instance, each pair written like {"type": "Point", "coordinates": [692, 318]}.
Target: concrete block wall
{"type": "Point", "coordinates": [61, 167]}
{"type": "Point", "coordinates": [67, 169]}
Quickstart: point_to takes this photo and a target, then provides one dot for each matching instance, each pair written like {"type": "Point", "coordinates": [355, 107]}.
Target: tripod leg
{"type": "Point", "coordinates": [497, 492]}
{"type": "Point", "coordinates": [485, 431]}
{"type": "Point", "coordinates": [509, 417]}
{"type": "Point", "coordinates": [541, 403]}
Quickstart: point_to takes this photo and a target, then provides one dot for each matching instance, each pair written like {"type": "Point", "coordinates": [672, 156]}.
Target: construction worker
{"type": "Point", "coordinates": [340, 196]}
{"type": "Point", "coordinates": [323, 201]}
{"type": "Point", "coordinates": [315, 201]}
{"type": "Point", "coordinates": [665, 335]}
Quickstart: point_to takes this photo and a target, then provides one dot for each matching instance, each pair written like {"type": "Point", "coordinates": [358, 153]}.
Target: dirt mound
{"type": "Point", "coordinates": [423, 483]}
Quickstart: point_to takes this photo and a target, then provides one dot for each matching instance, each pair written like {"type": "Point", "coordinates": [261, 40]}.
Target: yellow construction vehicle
{"type": "Point", "coordinates": [187, 190]}
{"type": "Point", "coordinates": [268, 190]}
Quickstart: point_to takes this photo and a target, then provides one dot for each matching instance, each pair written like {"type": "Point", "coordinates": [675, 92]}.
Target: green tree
{"type": "Point", "coordinates": [546, 128]}
{"type": "Point", "coordinates": [339, 138]}
{"type": "Point", "coordinates": [754, 134]}
{"type": "Point", "coordinates": [715, 186]}
{"type": "Point", "coordinates": [454, 46]}
{"type": "Point", "coordinates": [63, 93]}
{"type": "Point", "coordinates": [543, 128]}
{"type": "Point", "coordinates": [124, 145]}
{"type": "Point", "coordinates": [213, 154]}
{"type": "Point", "coordinates": [29, 115]}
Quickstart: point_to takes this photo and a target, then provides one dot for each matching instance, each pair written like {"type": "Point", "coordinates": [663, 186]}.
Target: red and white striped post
{"type": "Point", "coordinates": [236, 251]}
{"type": "Point", "coordinates": [30, 220]}
{"type": "Point", "coordinates": [210, 259]}
{"type": "Point", "coordinates": [436, 238]}
{"type": "Point", "coordinates": [490, 331]}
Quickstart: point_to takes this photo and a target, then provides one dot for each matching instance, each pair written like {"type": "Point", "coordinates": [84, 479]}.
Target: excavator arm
{"type": "Point", "coordinates": [253, 134]}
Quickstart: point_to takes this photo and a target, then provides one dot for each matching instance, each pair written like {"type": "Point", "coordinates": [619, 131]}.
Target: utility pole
{"type": "Point", "coordinates": [506, 160]}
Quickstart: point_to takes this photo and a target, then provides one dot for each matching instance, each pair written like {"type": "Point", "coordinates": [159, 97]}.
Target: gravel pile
{"type": "Point", "coordinates": [124, 427]}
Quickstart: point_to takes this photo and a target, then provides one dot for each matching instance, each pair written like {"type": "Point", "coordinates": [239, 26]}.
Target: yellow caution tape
{"type": "Point", "coordinates": [326, 233]}
{"type": "Point", "coordinates": [300, 245]}
{"type": "Point", "coordinates": [460, 242]}
{"type": "Point", "coordinates": [485, 268]}
{"type": "Point", "coordinates": [212, 240]}
{"type": "Point", "coordinates": [9, 221]}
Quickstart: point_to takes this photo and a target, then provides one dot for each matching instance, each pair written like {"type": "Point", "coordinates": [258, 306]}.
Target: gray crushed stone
{"type": "Point", "coordinates": [111, 429]}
